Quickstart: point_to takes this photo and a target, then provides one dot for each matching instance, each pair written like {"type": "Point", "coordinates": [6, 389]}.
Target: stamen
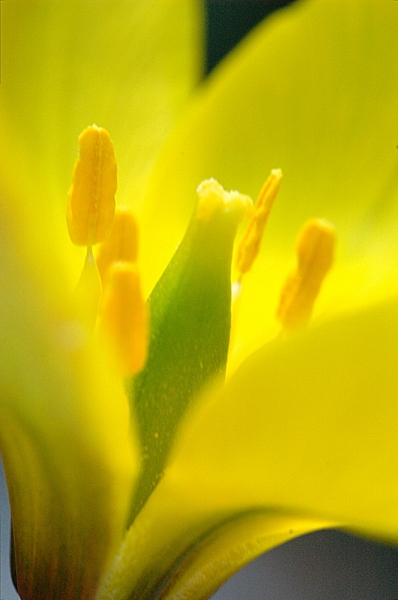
{"type": "Point", "coordinates": [315, 249]}
{"type": "Point", "coordinates": [123, 318]}
{"type": "Point", "coordinates": [249, 245]}
{"type": "Point", "coordinates": [91, 197]}
{"type": "Point", "coordinates": [122, 244]}
{"type": "Point", "coordinates": [87, 293]}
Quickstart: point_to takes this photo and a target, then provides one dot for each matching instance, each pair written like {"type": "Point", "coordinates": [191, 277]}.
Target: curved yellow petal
{"type": "Point", "coordinates": [203, 547]}
{"type": "Point", "coordinates": [64, 435]}
{"type": "Point", "coordinates": [313, 91]}
{"type": "Point", "coordinates": [303, 436]}
{"type": "Point", "coordinates": [70, 64]}
{"type": "Point", "coordinates": [305, 424]}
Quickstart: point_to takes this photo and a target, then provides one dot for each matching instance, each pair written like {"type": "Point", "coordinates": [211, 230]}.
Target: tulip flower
{"type": "Point", "coordinates": [150, 452]}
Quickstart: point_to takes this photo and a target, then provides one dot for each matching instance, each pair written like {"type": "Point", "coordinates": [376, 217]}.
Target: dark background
{"type": "Point", "coordinates": [227, 21]}
{"type": "Point", "coordinates": [328, 565]}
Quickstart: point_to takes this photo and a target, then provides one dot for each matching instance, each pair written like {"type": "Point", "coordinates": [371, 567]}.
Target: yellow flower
{"type": "Point", "coordinates": [303, 433]}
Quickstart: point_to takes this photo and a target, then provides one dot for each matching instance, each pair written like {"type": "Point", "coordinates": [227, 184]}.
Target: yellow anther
{"type": "Point", "coordinates": [315, 249]}
{"type": "Point", "coordinates": [122, 244]}
{"type": "Point", "coordinates": [91, 197]}
{"type": "Point", "coordinates": [123, 318]}
{"type": "Point", "coordinates": [212, 197]}
{"type": "Point", "coordinates": [249, 245]}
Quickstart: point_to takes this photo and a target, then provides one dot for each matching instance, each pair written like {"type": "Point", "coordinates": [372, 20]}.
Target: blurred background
{"type": "Point", "coordinates": [327, 565]}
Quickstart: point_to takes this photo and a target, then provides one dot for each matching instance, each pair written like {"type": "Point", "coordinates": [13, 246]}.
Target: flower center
{"type": "Point", "coordinates": [192, 307]}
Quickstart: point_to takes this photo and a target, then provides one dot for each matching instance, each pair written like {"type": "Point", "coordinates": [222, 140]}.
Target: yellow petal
{"type": "Point", "coordinates": [306, 425]}
{"type": "Point", "coordinates": [66, 65]}
{"type": "Point", "coordinates": [65, 437]}
{"type": "Point", "coordinates": [313, 91]}
{"type": "Point", "coordinates": [303, 436]}
{"type": "Point", "coordinates": [204, 548]}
